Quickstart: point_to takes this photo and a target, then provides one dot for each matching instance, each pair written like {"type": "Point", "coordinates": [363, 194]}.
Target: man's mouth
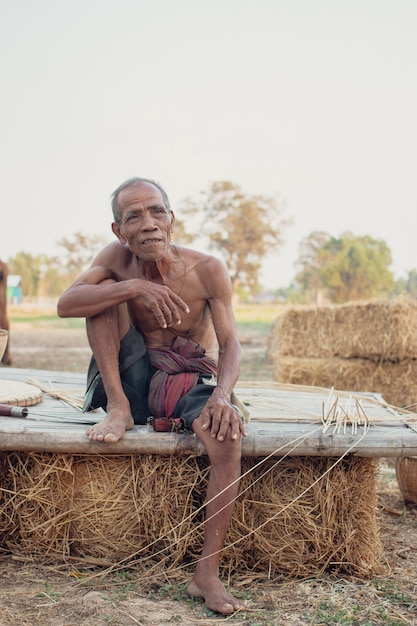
{"type": "Point", "coordinates": [154, 240]}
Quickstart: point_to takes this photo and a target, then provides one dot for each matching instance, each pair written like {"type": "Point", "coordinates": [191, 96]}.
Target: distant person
{"type": "Point", "coordinates": [160, 324]}
{"type": "Point", "coordinates": [4, 318]}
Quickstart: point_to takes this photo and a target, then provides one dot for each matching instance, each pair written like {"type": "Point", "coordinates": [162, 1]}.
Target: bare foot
{"type": "Point", "coordinates": [215, 595]}
{"type": "Point", "coordinates": [112, 428]}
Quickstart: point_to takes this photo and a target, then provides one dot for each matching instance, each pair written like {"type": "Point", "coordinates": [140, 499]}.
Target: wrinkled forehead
{"type": "Point", "coordinates": [140, 193]}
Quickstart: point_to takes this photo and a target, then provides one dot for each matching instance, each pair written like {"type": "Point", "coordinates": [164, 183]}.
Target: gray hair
{"type": "Point", "coordinates": [130, 183]}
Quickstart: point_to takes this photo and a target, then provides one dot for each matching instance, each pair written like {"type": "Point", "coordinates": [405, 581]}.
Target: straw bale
{"type": "Point", "coordinates": [379, 329]}
{"type": "Point", "coordinates": [6, 524]}
{"type": "Point", "coordinates": [127, 503]}
{"type": "Point", "coordinates": [309, 521]}
{"type": "Point", "coordinates": [396, 382]}
{"type": "Point", "coordinates": [37, 502]}
{"type": "Point", "coordinates": [294, 516]}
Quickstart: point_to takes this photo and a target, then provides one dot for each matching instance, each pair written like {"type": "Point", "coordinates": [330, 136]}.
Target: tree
{"type": "Point", "coordinates": [28, 267]}
{"type": "Point", "coordinates": [80, 250]}
{"type": "Point", "coordinates": [411, 283]}
{"type": "Point", "coordinates": [54, 279]}
{"type": "Point", "coordinates": [243, 228]}
{"type": "Point", "coordinates": [49, 276]}
{"type": "Point", "coordinates": [406, 285]}
{"type": "Point", "coordinates": [180, 235]}
{"type": "Point", "coordinates": [310, 263]}
{"type": "Point", "coordinates": [348, 268]}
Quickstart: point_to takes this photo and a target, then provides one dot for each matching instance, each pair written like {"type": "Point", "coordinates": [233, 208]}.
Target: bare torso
{"type": "Point", "coordinates": [189, 275]}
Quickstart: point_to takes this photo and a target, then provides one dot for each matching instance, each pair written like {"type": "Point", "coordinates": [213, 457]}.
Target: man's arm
{"type": "Point", "coordinates": [99, 289]}
{"type": "Point", "coordinates": [219, 414]}
{"type": "Point", "coordinates": [90, 294]}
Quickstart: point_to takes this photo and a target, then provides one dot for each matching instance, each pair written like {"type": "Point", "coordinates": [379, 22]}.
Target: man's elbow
{"type": "Point", "coordinates": [63, 309]}
{"type": "Point", "coordinates": [60, 309]}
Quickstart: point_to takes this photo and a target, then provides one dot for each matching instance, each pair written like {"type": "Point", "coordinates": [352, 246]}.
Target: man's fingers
{"type": "Point", "coordinates": [169, 310]}
{"type": "Point", "coordinates": [223, 421]}
{"type": "Point", "coordinates": [179, 302]}
{"type": "Point", "coordinates": [223, 429]}
{"type": "Point", "coordinates": [228, 424]}
{"type": "Point", "coordinates": [215, 423]}
{"type": "Point", "coordinates": [167, 315]}
{"type": "Point", "coordinates": [161, 319]}
{"type": "Point", "coordinates": [205, 421]}
{"type": "Point", "coordinates": [235, 426]}
{"type": "Point", "coordinates": [165, 304]}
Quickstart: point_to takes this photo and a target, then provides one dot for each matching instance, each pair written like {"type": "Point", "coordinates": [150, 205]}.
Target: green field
{"type": "Point", "coordinates": [256, 319]}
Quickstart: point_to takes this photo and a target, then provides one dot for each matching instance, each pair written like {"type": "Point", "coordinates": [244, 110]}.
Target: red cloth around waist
{"type": "Point", "coordinates": [178, 370]}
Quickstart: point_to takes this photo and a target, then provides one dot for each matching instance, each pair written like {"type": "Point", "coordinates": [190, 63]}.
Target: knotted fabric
{"type": "Point", "coordinates": [178, 370]}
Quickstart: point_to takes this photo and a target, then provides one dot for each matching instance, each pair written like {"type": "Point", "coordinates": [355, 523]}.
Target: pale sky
{"type": "Point", "coordinates": [312, 100]}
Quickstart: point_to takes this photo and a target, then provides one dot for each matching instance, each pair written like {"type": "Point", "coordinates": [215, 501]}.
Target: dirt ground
{"type": "Point", "coordinates": [62, 594]}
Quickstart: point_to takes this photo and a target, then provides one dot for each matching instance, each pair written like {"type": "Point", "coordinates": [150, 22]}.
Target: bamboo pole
{"type": "Point", "coordinates": [395, 440]}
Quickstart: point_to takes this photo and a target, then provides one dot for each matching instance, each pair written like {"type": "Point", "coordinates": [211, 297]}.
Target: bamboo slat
{"type": "Point", "coordinates": [286, 419]}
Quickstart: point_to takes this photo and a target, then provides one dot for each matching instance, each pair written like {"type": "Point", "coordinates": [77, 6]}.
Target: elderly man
{"type": "Point", "coordinates": [160, 324]}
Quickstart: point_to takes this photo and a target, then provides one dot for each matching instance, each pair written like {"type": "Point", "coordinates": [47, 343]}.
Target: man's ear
{"type": "Point", "coordinates": [172, 221]}
{"type": "Point", "coordinates": [117, 231]}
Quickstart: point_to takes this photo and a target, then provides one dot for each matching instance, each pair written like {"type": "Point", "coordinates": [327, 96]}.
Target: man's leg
{"type": "Point", "coordinates": [225, 459]}
{"type": "Point", "coordinates": [104, 333]}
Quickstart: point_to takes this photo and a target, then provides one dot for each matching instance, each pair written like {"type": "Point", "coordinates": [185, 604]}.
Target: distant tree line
{"type": "Point", "coordinates": [243, 229]}
{"type": "Point", "coordinates": [46, 276]}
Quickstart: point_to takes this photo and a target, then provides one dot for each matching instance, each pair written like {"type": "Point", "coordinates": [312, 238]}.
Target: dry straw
{"type": "Point", "coordinates": [73, 397]}
{"type": "Point", "coordinates": [365, 346]}
{"type": "Point", "coordinates": [396, 382]}
{"type": "Point", "coordinates": [379, 329]}
{"type": "Point", "coordinates": [295, 516]}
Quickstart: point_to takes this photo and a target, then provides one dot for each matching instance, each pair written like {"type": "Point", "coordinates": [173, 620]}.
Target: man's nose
{"type": "Point", "coordinates": [148, 222]}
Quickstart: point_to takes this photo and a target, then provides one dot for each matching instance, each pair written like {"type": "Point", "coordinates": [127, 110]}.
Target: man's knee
{"type": "Point", "coordinates": [117, 316]}
{"type": "Point", "coordinates": [225, 453]}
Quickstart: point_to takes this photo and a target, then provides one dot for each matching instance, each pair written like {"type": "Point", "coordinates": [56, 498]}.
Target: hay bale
{"type": "Point", "coordinates": [304, 524]}
{"type": "Point", "coordinates": [396, 382]}
{"type": "Point", "coordinates": [295, 516]}
{"type": "Point", "coordinates": [132, 503]}
{"type": "Point", "coordinates": [105, 507]}
{"type": "Point", "coordinates": [6, 524]}
{"type": "Point", "coordinates": [37, 503]}
{"type": "Point", "coordinates": [380, 329]}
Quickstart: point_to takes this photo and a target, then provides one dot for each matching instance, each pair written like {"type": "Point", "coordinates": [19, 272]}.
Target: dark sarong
{"type": "Point", "coordinates": [136, 373]}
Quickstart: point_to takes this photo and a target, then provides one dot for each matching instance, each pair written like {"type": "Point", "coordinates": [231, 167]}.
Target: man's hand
{"type": "Point", "coordinates": [161, 303]}
{"type": "Point", "coordinates": [222, 418]}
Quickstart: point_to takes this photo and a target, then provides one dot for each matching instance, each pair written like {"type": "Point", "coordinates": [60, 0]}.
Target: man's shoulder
{"type": "Point", "coordinates": [114, 256]}
{"type": "Point", "coordinates": [115, 249]}
{"type": "Point", "coordinates": [206, 272]}
{"type": "Point", "coordinates": [198, 257]}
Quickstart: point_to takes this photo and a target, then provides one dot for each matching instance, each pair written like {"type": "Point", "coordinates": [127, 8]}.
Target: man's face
{"type": "Point", "coordinates": [146, 224]}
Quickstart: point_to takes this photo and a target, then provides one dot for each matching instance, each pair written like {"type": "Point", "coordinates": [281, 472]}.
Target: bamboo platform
{"type": "Point", "coordinates": [286, 420]}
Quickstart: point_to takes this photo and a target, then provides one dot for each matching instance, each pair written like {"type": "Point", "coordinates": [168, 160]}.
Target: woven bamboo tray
{"type": "Point", "coordinates": [4, 335]}
{"type": "Point", "coordinates": [406, 470]}
{"type": "Point", "coordinates": [19, 394]}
